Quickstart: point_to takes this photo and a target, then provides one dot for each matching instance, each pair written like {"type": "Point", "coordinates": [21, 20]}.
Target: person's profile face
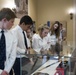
{"type": "Point", "coordinates": [28, 32]}
{"type": "Point", "coordinates": [55, 26]}
{"type": "Point", "coordinates": [45, 32]}
{"type": "Point", "coordinates": [8, 24]}
{"type": "Point", "coordinates": [26, 27]}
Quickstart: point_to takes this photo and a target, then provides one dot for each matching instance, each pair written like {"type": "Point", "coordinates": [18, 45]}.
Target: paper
{"type": "Point", "coordinates": [50, 70]}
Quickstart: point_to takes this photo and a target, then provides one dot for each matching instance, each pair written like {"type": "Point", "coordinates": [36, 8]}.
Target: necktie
{"type": "Point", "coordinates": [25, 40]}
{"type": "Point", "coordinates": [2, 50]}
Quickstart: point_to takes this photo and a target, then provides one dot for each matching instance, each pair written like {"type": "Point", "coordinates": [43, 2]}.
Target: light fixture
{"type": "Point", "coordinates": [71, 12]}
{"type": "Point", "coordinates": [71, 16]}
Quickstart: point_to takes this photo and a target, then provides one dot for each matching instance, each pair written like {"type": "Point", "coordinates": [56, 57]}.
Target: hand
{"type": "Point", "coordinates": [43, 52]}
{"type": "Point", "coordinates": [4, 73]}
{"type": "Point", "coordinates": [28, 51]}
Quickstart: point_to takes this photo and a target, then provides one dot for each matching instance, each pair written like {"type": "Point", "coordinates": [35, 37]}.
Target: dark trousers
{"type": "Point", "coordinates": [16, 67]}
{"type": "Point", "coordinates": [11, 72]}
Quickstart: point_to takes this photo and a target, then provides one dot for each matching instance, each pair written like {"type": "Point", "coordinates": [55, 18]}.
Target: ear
{"type": "Point", "coordinates": [23, 23]}
{"type": "Point", "coordinates": [4, 20]}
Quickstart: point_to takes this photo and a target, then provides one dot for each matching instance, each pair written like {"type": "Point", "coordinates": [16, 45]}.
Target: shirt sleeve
{"type": "Point", "coordinates": [35, 45]}
{"type": "Point", "coordinates": [28, 42]}
{"type": "Point", "coordinates": [12, 56]}
{"type": "Point", "coordinates": [0, 71]}
{"type": "Point", "coordinates": [20, 50]}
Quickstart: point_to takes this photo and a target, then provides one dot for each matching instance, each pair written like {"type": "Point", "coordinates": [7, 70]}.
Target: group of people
{"type": "Point", "coordinates": [49, 39]}
{"type": "Point", "coordinates": [15, 43]}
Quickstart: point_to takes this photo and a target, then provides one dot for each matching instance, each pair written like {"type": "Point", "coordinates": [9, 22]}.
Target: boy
{"type": "Point", "coordinates": [7, 41]}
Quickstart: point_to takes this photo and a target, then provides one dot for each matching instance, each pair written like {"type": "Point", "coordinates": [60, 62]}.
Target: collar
{"type": "Point", "coordinates": [38, 36]}
{"type": "Point", "coordinates": [21, 29]}
{"type": "Point", "coordinates": [4, 30]}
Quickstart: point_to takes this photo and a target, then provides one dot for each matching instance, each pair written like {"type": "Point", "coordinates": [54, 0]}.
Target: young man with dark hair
{"type": "Point", "coordinates": [8, 42]}
{"type": "Point", "coordinates": [22, 44]}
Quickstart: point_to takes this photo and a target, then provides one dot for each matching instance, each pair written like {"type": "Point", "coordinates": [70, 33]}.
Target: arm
{"type": "Point", "coordinates": [19, 50]}
{"type": "Point", "coordinates": [35, 45]}
{"type": "Point", "coordinates": [11, 56]}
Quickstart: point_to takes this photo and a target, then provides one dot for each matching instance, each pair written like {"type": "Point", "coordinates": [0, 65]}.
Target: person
{"type": "Point", "coordinates": [8, 42]}
{"type": "Point", "coordinates": [62, 32]}
{"type": "Point", "coordinates": [39, 43]}
{"type": "Point", "coordinates": [22, 44]}
{"type": "Point", "coordinates": [55, 38]}
{"type": "Point", "coordinates": [28, 32]}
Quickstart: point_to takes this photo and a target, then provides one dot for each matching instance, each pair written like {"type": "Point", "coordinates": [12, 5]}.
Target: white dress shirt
{"type": "Point", "coordinates": [38, 43]}
{"type": "Point", "coordinates": [29, 43]}
{"type": "Point", "coordinates": [21, 48]}
{"type": "Point", "coordinates": [11, 44]}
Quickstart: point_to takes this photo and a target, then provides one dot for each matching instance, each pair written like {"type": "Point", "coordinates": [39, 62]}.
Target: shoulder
{"type": "Point", "coordinates": [35, 36]}
{"type": "Point", "coordinates": [13, 36]}
{"type": "Point", "coordinates": [11, 33]}
{"type": "Point", "coordinates": [16, 30]}
{"type": "Point", "coordinates": [10, 36]}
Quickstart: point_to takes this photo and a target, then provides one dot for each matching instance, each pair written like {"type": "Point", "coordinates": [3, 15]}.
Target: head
{"type": "Point", "coordinates": [26, 22]}
{"type": "Point", "coordinates": [56, 25]}
{"type": "Point", "coordinates": [43, 30]}
{"type": "Point", "coordinates": [55, 29]}
{"type": "Point", "coordinates": [7, 17]}
{"type": "Point", "coordinates": [61, 26]}
{"type": "Point", "coordinates": [28, 33]}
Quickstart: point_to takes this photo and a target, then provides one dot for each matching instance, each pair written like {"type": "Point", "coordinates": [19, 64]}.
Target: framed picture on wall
{"type": "Point", "coordinates": [21, 8]}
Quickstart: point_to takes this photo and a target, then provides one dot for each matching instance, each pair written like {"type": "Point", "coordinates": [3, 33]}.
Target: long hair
{"type": "Point", "coordinates": [56, 31]}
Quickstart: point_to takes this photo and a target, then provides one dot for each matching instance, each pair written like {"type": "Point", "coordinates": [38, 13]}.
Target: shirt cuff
{"type": "Point", "coordinates": [0, 71]}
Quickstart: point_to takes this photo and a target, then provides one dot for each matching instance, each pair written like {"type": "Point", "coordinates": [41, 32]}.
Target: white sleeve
{"type": "Point", "coordinates": [19, 50]}
{"type": "Point", "coordinates": [35, 45]}
{"type": "Point", "coordinates": [0, 71]}
{"type": "Point", "coordinates": [28, 42]}
{"type": "Point", "coordinates": [12, 56]}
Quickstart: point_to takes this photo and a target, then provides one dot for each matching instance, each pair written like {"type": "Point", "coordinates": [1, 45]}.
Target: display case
{"type": "Point", "coordinates": [36, 64]}
{"type": "Point", "coordinates": [48, 65]}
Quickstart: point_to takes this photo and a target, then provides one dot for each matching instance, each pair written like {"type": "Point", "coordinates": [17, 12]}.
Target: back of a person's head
{"type": "Point", "coordinates": [7, 13]}
{"type": "Point", "coordinates": [27, 20]}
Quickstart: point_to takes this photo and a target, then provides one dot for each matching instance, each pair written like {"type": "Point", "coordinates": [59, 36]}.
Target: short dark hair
{"type": "Point", "coordinates": [27, 20]}
{"type": "Point", "coordinates": [7, 13]}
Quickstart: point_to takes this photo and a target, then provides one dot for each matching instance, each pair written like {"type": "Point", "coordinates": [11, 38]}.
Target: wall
{"type": "Point", "coordinates": [52, 10]}
{"type": "Point", "coordinates": [32, 9]}
{"type": "Point", "coordinates": [74, 27]}
{"type": "Point", "coordinates": [42, 11]}
{"type": "Point", "coordinates": [11, 4]}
